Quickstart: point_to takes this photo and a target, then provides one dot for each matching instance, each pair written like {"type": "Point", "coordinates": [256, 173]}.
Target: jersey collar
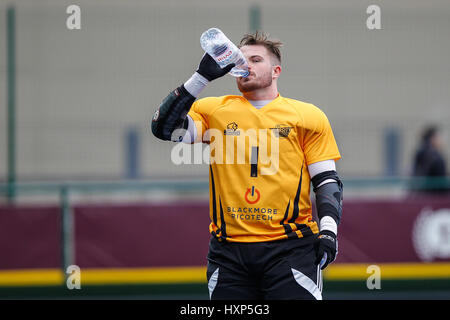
{"type": "Point", "coordinates": [274, 101]}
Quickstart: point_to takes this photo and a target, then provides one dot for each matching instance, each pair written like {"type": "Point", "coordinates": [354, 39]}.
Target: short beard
{"type": "Point", "coordinates": [255, 85]}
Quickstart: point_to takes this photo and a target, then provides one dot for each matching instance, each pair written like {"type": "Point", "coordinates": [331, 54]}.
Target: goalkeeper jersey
{"type": "Point", "coordinates": [259, 179]}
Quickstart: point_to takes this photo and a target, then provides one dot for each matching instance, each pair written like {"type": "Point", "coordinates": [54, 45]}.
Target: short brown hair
{"type": "Point", "coordinates": [261, 38]}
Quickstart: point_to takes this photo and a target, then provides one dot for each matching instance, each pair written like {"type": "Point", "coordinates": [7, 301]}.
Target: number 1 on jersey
{"type": "Point", "coordinates": [254, 162]}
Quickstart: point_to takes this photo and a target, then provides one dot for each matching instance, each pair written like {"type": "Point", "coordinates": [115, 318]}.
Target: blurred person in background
{"type": "Point", "coordinates": [429, 162]}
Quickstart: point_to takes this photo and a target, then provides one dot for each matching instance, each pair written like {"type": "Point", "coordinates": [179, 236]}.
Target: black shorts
{"type": "Point", "coordinates": [272, 270]}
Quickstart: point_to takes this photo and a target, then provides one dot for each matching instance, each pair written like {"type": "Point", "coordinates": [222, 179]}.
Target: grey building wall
{"type": "Point", "coordinates": [79, 91]}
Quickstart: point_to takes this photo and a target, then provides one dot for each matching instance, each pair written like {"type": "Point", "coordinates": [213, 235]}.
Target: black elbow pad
{"type": "Point", "coordinates": [328, 196]}
{"type": "Point", "coordinates": [171, 114]}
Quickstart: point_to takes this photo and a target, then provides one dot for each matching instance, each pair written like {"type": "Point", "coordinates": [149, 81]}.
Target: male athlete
{"type": "Point", "coordinates": [265, 243]}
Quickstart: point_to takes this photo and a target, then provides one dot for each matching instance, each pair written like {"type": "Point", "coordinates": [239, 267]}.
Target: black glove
{"type": "Point", "coordinates": [326, 243]}
{"type": "Point", "coordinates": [211, 70]}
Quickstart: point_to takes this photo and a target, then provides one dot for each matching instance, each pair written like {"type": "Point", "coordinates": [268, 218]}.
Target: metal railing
{"type": "Point", "coordinates": [65, 188]}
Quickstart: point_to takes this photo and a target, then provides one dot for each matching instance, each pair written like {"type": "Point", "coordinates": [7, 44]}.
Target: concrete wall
{"type": "Point", "coordinates": [78, 91]}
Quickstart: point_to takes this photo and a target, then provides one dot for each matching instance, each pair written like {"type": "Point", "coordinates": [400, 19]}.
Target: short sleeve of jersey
{"type": "Point", "coordinates": [199, 113]}
{"type": "Point", "coordinates": [319, 143]}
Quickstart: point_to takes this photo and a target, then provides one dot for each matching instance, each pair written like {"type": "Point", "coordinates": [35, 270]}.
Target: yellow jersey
{"type": "Point", "coordinates": [259, 179]}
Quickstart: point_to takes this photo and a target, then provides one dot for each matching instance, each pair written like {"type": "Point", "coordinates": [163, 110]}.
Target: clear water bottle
{"type": "Point", "coordinates": [224, 52]}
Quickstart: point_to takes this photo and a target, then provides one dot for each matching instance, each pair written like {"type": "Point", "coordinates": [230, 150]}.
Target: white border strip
{"type": "Point", "coordinates": [307, 283]}
{"type": "Point", "coordinates": [213, 282]}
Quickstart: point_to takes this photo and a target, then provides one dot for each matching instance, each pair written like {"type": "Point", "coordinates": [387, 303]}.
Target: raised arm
{"type": "Point", "coordinates": [172, 112]}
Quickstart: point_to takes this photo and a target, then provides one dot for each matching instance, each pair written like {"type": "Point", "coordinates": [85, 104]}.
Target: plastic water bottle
{"type": "Point", "coordinates": [224, 52]}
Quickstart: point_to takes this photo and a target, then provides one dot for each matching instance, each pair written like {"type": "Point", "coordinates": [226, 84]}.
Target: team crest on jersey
{"type": "Point", "coordinates": [232, 129]}
{"type": "Point", "coordinates": [281, 131]}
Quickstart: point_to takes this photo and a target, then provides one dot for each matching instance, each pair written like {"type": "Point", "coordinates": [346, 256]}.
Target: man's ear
{"type": "Point", "coordinates": [276, 71]}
